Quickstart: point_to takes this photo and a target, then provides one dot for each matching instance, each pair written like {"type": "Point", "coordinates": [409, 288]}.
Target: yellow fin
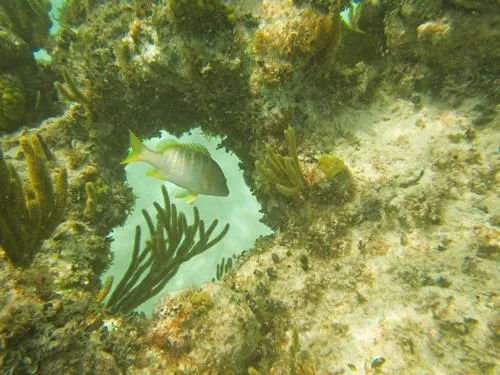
{"type": "Point", "coordinates": [187, 195]}
{"type": "Point", "coordinates": [136, 148]}
{"type": "Point", "coordinates": [172, 143]}
{"type": "Point", "coordinates": [156, 174]}
{"type": "Point", "coordinates": [195, 147]}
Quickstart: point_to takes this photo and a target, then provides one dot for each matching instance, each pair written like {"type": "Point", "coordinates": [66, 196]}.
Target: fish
{"type": "Point", "coordinates": [188, 165]}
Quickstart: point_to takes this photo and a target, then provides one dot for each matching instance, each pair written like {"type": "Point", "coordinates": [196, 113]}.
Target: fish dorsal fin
{"type": "Point", "coordinates": [195, 147]}
{"type": "Point", "coordinates": [172, 143]}
{"type": "Point", "coordinates": [166, 143]}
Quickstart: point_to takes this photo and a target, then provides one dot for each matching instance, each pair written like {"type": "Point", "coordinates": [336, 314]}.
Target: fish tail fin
{"type": "Point", "coordinates": [136, 148]}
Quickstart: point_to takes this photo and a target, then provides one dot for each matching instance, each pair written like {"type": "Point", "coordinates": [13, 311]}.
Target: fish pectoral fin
{"type": "Point", "coordinates": [188, 196]}
{"type": "Point", "coordinates": [155, 172]}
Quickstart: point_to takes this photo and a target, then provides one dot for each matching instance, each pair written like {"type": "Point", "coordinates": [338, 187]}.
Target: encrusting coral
{"type": "Point", "coordinates": [172, 243]}
{"type": "Point", "coordinates": [291, 39]}
{"type": "Point", "coordinates": [202, 16]}
{"type": "Point", "coordinates": [385, 263]}
{"type": "Point", "coordinates": [29, 213]}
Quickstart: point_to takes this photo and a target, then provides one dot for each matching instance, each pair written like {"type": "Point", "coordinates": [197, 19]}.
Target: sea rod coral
{"type": "Point", "coordinates": [172, 243]}
{"type": "Point", "coordinates": [283, 171]}
{"type": "Point", "coordinates": [29, 213]}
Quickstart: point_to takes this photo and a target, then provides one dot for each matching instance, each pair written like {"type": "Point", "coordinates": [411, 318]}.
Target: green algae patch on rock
{"type": "Point", "coordinates": [14, 48]}
{"type": "Point", "coordinates": [12, 102]}
{"type": "Point", "coordinates": [200, 17]}
{"type": "Point", "coordinates": [290, 39]}
{"type": "Point", "coordinates": [29, 19]}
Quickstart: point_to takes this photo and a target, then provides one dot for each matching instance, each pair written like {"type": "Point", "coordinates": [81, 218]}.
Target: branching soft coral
{"type": "Point", "coordinates": [172, 243]}
{"type": "Point", "coordinates": [29, 213]}
{"type": "Point", "coordinates": [283, 172]}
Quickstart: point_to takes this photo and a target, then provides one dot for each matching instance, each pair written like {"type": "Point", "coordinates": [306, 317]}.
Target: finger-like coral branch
{"type": "Point", "coordinates": [103, 293]}
{"type": "Point", "coordinates": [223, 268]}
{"type": "Point", "coordinates": [29, 214]}
{"type": "Point", "coordinates": [71, 92]}
{"type": "Point", "coordinates": [283, 172]}
{"type": "Point", "coordinates": [91, 203]}
{"type": "Point", "coordinates": [12, 102]}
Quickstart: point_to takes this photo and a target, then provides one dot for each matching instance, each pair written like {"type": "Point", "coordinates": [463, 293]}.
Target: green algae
{"type": "Point", "coordinates": [203, 17]}
{"type": "Point", "coordinates": [12, 102]}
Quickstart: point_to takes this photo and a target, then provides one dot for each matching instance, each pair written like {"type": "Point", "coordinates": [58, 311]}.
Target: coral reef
{"type": "Point", "coordinates": [229, 346]}
{"type": "Point", "coordinates": [48, 304]}
{"type": "Point", "coordinates": [308, 36]}
{"type": "Point", "coordinates": [25, 87]}
{"type": "Point", "coordinates": [438, 37]}
{"type": "Point", "coordinates": [385, 261]}
{"type": "Point", "coordinates": [309, 182]}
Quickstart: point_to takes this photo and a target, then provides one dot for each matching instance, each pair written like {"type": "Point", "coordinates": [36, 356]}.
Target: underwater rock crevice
{"type": "Point", "coordinates": [372, 268]}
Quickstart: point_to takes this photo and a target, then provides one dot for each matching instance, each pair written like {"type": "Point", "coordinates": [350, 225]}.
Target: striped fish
{"type": "Point", "coordinates": [188, 165]}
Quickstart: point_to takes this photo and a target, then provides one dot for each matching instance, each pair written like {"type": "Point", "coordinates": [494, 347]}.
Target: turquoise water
{"type": "Point", "coordinates": [41, 55]}
{"type": "Point", "coordinates": [54, 15]}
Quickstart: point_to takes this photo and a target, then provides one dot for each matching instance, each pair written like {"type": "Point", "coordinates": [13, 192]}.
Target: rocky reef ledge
{"type": "Point", "coordinates": [367, 130]}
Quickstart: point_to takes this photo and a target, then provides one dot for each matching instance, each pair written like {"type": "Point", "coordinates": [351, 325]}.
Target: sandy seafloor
{"type": "Point", "coordinates": [419, 298]}
{"type": "Point", "coordinates": [389, 268]}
